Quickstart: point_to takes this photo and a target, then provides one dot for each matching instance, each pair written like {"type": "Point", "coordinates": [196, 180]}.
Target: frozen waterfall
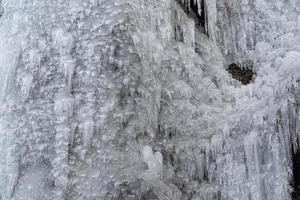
{"type": "Point", "coordinates": [131, 100]}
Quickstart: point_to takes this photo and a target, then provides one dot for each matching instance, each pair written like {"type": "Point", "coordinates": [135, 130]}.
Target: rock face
{"type": "Point", "coordinates": [129, 99]}
{"type": "Point", "coordinates": [245, 76]}
{"type": "Point", "coordinates": [296, 178]}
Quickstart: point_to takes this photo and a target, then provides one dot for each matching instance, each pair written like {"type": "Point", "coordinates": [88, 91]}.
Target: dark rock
{"type": "Point", "coordinates": [243, 75]}
{"type": "Point", "coordinates": [150, 195]}
{"type": "Point", "coordinates": [1, 9]}
{"type": "Point", "coordinates": [296, 176]}
{"type": "Point", "coordinates": [136, 190]}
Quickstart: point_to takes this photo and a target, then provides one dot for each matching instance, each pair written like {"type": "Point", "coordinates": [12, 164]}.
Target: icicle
{"type": "Point", "coordinates": [154, 162]}
{"type": "Point", "coordinates": [200, 158]}
{"type": "Point", "coordinates": [26, 82]}
{"type": "Point", "coordinates": [87, 129]}
{"type": "Point", "coordinates": [63, 41]}
{"type": "Point", "coordinates": [60, 163]}
{"type": "Point", "coordinates": [9, 163]}
{"type": "Point", "coordinates": [210, 18]}
{"type": "Point", "coordinates": [34, 58]}
{"type": "Point", "coordinates": [8, 63]}
{"type": "Point", "coordinates": [199, 4]}
{"type": "Point", "coordinates": [64, 103]}
{"type": "Point", "coordinates": [68, 66]}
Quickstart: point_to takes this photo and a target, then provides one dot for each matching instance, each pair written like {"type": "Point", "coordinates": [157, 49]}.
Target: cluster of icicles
{"type": "Point", "coordinates": [192, 3]}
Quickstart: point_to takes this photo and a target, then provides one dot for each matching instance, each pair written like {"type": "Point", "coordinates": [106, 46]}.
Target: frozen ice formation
{"type": "Point", "coordinates": [130, 99]}
{"type": "Point", "coordinates": [154, 162]}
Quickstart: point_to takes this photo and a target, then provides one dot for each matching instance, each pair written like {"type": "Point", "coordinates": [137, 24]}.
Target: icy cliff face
{"type": "Point", "coordinates": [264, 128]}
{"type": "Point", "coordinates": [130, 99]}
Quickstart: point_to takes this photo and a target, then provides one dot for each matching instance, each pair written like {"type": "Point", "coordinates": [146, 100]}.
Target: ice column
{"type": "Point", "coordinates": [154, 162]}
{"type": "Point", "coordinates": [9, 163]}
{"type": "Point", "coordinates": [63, 108]}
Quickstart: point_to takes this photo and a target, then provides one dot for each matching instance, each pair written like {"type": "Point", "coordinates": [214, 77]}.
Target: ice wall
{"type": "Point", "coordinates": [263, 127]}
{"type": "Point", "coordinates": [242, 25]}
{"type": "Point", "coordinates": [130, 100]}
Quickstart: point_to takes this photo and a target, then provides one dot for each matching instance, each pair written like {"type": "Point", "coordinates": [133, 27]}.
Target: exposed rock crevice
{"type": "Point", "coordinates": [244, 75]}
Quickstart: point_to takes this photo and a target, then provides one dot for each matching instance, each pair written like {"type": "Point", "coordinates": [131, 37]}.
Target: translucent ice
{"type": "Point", "coordinates": [130, 99]}
{"type": "Point", "coordinates": [154, 162]}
